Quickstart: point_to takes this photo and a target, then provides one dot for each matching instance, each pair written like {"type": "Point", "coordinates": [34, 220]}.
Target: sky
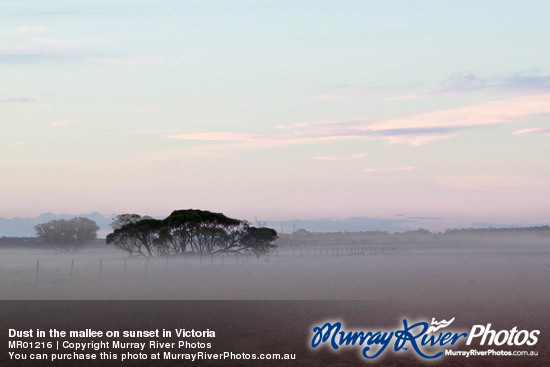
{"type": "Point", "coordinates": [277, 110]}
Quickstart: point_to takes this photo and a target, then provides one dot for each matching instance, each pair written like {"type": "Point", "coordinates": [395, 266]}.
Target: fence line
{"type": "Point", "coordinates": [222, 259]}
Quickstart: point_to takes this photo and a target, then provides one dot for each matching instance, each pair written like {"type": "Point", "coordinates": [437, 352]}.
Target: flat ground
{"type": "Point", "coordinates": [504, 286]}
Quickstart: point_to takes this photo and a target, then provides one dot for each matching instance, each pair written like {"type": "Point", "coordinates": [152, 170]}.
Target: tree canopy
{"type": "Point", "coordinates": [67, 235]}
{"type": "Point", "coordinates": [123, 219]}
{"type": "Point", "coordinates": [191, 231]}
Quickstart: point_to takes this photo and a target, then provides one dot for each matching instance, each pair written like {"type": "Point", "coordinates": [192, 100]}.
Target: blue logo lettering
{"type": "Point", "coordinates": [374, 343]}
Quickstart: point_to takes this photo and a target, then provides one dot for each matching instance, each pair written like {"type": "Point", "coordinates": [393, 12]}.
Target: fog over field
{"type": "Point", "coordinates": [475, 277]}
{"type": "Point", "coordinates": [481, 271]}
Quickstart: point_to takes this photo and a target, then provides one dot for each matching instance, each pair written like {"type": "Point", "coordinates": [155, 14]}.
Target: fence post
{"type": "Point", "coordinates": [100, 266]}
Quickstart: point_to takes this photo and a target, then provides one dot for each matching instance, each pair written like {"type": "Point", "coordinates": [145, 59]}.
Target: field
{"type": "Point", "coordinates": [408, 274]}
{"type": "Point", "coordinates": [502, 284]}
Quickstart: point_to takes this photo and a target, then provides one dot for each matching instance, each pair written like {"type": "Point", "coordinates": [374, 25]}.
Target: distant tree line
{"type": "Point", "coordinates": [189, 231]}
{"type": "Point", "coordinates": [302, 237]}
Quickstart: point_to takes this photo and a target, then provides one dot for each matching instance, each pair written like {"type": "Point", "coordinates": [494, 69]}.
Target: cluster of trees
{"type": "Point", "coordinates": [204, 232]}
{"type": "Point", "coordinates": [189, 231]}
{"type": "Point", "coordinates": [67, 235]}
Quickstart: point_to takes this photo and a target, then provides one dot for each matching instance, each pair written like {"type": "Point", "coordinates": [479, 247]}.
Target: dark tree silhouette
{"type": "Point", "coordinates": [190, 231]}
{"type": "Point", "coordinates": [139, 238]}
{"type": "Point", "coordinates": [67, 235]}
{"type": "Point", "coordinates": [259, 241]}
{"type": "Point", "coordinates": [201, 231]}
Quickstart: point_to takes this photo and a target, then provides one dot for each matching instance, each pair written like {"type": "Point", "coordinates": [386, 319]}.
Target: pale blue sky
{"type": "Point", "coordinates": [277, 109]}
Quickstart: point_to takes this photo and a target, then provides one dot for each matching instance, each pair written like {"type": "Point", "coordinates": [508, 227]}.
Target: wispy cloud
{"type": "Point", "coordinates": [221, 143]}
{"type": "Point", "coordinates": [468, 82]}
{"type": "Point", "coordinates": [389, 169]}
{"type": "Point", "coordinates": [536, 130]}
{"type": "Point", "coordinates": [340, 158]}
{"type": "Point", "coordinates": [413, 140]}
{"type": "Point", "coordinates": [415, 130]}
{"type": "Point", "coordinates": [482, 114]}
{"type": "Point", "coordinates": [418, 129]}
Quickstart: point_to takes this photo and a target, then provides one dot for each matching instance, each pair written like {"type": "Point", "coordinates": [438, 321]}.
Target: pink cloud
{"type": "Point", "coordinates": [415, 140]}
{"type": "Point", "coordinates": [488, 113]}
{"type": "Point", "coordinates": [415, 130]}
{"type": "Point", "coordinates": [538, 131]}
{"type": "Point", "coordinates": [418, 129]}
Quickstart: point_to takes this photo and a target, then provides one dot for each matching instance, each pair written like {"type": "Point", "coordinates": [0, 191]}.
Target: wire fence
{"type": "Point", "coordinates": [63, 269]}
